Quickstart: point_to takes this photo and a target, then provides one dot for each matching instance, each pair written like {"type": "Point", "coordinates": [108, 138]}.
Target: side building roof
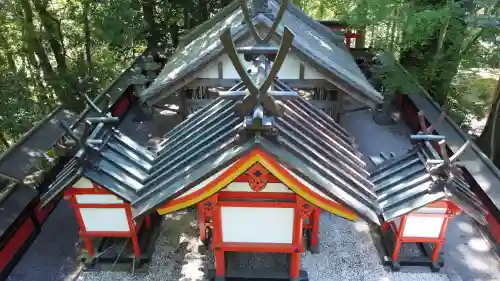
{"type": "Point", "coordinates": [404, 184]}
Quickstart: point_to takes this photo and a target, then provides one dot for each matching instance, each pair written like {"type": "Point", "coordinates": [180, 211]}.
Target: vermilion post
{"type": "Point", "coordinates": [399, 239]}
{"type": "Point", "coordinates": [296, 240]}
{"type": "Point", "coordinates": [315, 227]}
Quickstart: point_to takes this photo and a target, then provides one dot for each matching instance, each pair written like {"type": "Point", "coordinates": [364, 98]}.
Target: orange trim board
{"type": "Point", "coordinates": [239, 168]}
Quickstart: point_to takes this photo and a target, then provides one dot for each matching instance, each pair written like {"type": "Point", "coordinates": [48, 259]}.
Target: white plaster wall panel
{"type": "Point", "coordinates": [417, 226]}
{"type": "Point", "coordinates": [311, 73]}
{"type": "Point", "coordinates": [289, 70]}
{"type": "Point", "coordinates": [98, 199]}
{"type": "Point", "coordinates": [257, 225]}
{"type": "Point", "coordinates": [205, 182]}
{"type": "Point", "coordinates": [83, 183]}
{"type": "Point", "coordinates": [245, 187]}
{"type": "Point", "coordinates": [108, 219]}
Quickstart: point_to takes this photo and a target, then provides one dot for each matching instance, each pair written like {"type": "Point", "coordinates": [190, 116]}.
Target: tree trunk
{"type": "Point", "coordinates": [489, 141]}
{"type": "Point", "coordinates": [174, 33]}
{"type": "Point", "coordinates": [148, 9]}
{"type": "Point", "coordinates": [7, 52]}
{"type": "Point", "coordinates": [3, 140]}
{"type": "Point", "coordinates": [86, 32]}
{"type": "Point", "coordinates": [435, 62]}
{"type": "Point", "coordinates": [35, 46]}
{"type": "Point", "coordinates": [202, 11]}
{"type": "Point", "coordinates": [186, 9]}
{"type": "Point", "coordinates": [52, 28]}
{"type": "Point", "coordinates": [360, 42]}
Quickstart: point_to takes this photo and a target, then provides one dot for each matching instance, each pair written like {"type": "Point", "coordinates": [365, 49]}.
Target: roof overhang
{"type": "Point", "coordinates": [257, 155]}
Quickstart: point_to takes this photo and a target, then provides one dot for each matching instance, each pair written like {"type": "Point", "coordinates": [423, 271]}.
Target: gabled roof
{"type": "Point", "coordinates": [313, 41]}
{"type": "Point", "coordinates": [19, 160]}
{"type": "Point", "coordinates": [478, 165]}
{"type": "Point", "coordinates": [310, 144]}
{"type": "Point", "coordinates": [404, 184]}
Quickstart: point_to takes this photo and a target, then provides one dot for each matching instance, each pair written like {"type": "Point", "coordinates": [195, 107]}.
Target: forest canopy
{"type": "Point", "coordinates": [53, 51]}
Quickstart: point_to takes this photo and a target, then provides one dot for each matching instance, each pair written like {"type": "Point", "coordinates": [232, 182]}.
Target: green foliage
{"type": "Point", "coordinates": [32, 86]}
{"type": "Point", "coordinates": [470, 97]}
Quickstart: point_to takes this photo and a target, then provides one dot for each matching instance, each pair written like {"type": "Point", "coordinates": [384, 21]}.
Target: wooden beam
{"type": "Point", "coordinates": [220, 70]}
{"type": "Point", "coordinates": [321, 104]}
{"type": "Point", "coordinates": [293, 83]}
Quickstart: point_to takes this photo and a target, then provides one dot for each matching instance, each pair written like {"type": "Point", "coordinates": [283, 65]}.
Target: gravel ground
{"type": "Point", "coordinates": [346, 253]}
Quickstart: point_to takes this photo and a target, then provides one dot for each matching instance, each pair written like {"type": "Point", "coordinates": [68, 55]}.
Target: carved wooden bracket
{"type": "Point", "coordinates": [305, 208]}
{"type": "Point", "coordinates": [258, 177]}
{"type": "Point", "coordinates": [208, 207]}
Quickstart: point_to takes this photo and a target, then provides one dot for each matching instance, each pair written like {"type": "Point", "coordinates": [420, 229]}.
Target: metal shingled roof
{"type": "Point", "coordinates": [404, 184]}
{"type": "Point", "coordinates": [310, 143]}
{"type": "Point", "coordinates": [313, 40]}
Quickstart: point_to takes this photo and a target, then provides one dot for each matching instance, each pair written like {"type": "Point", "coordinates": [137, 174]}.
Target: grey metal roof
{"type": "Point", "coordinates": [484, 172]}
{"type": "Point", "coordinates": [404, 184]}
{"type": "Point", "coordinates": [310, 143]}
{"type": "Point", "coordinates": [21, 157]}
{"type": "Point", "coordinates": [314, 41]}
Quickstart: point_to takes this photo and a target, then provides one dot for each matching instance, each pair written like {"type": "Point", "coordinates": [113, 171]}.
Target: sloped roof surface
{"type": "Point", "coordinates": [310, 143]}
{"type": "Point", "coordinates": [194, 54]}
{"type": "Point", "coordinates": [27, 152]}
{"type": "Point", "coordinates": [314, 40]}
{"type": "Point", "coordinates": [404, 184]}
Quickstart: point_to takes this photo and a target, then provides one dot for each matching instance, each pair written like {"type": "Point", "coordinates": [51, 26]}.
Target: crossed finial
{"type": "Point", "coordinates": [425, 132]}
{"type": "Point", "coordinates": [447, 166]}
{"type": "Point", "coordinates": [106, 119]}
{"type": "Point", "coordinates": [258, 98]}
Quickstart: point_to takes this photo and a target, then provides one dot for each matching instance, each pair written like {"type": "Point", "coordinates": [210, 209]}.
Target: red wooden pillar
{"type": "Point", "coordinates": [212, 208]}
{"type": "Point", "coordinates": [441, 239]}
{"type": "Point", "coordinates": [296, 241]}
{"type": "Point", "coordinates": [315, 229]}
{"type": "Point", "coordinates": [399, 239]}
{"type": "Point", "coordinates": [201, 221]}
{"type": "Point", "coordinates": [86, 239]}
{"type": "Point", "coordinates": [303, 210]}
{"type": "Point", "coordinates": [133, 233]}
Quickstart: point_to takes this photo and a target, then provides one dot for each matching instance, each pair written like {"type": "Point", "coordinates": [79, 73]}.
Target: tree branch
{"type": "Point", "coordinates": [86, 32]}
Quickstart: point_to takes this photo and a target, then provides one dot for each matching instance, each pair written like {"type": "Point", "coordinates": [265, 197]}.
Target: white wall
{"type": "Point", "coordinates": [83, 183]}
{"type": "Point", "coordinates": [108, 219]}
{"type": "Point", "coordinates": [289, 70]}
{"type": "Point", "coordinates": [258, 225]}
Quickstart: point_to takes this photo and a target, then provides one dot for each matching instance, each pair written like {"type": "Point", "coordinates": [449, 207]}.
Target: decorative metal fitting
{"type": "Point", "coordinates": [448, 167]}
{"type": "Point", "coordinates": [256, 102]}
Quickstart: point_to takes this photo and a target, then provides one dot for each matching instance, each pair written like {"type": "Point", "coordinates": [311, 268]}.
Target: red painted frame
{"type": "Point", "coordinates": [134, 228]}
{"type": "Point", "coordinates": [451, 210]}
{"type": "Point", "coordinates": [220, 247]}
